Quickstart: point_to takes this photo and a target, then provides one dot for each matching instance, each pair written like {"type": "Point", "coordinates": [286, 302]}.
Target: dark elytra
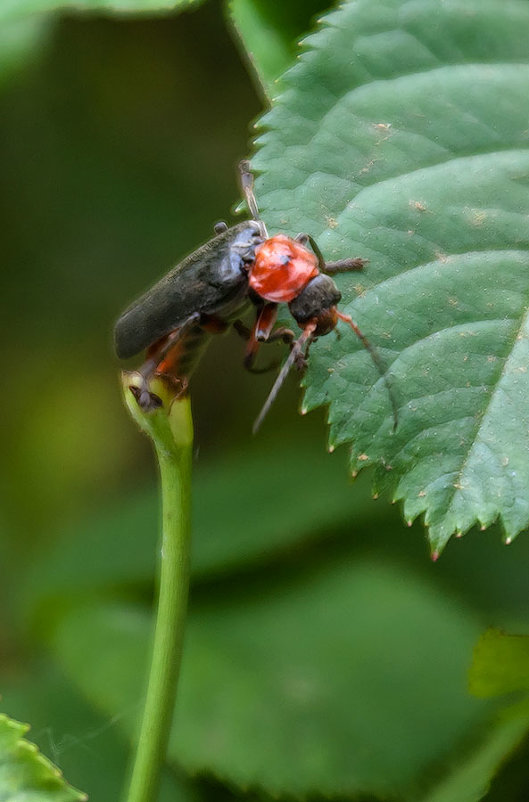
{"type": "Point", "coordinates": [211, 280]}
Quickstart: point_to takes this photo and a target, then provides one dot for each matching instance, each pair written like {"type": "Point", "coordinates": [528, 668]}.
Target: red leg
{"type": "Point", "coordinates": [266, 318]}
{"type": "Point", "coordinates": [281, 333]}
{"type": "Point", "coordinates": [296, 352]}
{"type": "Point", "coordinates": [162, 359]}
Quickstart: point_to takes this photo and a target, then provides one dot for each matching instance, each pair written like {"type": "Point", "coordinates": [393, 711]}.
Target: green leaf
{"type": "Point", "coordinates": [500, 664]}
{"type": "Point", "coordinates": [12, 9]}
{"type": "Point", "coordinates": [25, 773]}
{"type": "Point", "coordinates": [401, 136]}
{"type": "Point", "coordinates": [347, 679]}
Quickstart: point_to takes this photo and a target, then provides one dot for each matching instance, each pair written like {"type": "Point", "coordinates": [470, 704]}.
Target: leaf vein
{"type": "Point", "coordinates": [479, 423]}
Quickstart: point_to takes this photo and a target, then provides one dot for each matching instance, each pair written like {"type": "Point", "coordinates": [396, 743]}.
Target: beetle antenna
{"type": "Point", "coordinates": [247, 188]}
{"type": "Point", "coordinates": [375, 356]}
{"type": "Point", "coordinates": [296, 350]}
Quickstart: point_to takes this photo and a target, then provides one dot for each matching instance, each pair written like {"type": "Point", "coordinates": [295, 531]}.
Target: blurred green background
{"type": "Point", "coordinates": [118, 146]}
{"type": "Point", "coordinates": [119, 140]}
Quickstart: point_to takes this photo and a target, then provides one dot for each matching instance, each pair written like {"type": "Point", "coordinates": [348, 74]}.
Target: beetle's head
{"type": "Point", "coordinates": [317, 301]}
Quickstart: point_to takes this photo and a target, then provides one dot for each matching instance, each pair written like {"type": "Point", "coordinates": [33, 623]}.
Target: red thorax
{"type": "Point", "coordinates": [282, 268]}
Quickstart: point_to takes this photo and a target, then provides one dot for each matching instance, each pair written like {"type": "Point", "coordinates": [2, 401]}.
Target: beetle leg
{"type": "Point", "coordinates": [302, 356]}
{"type": "Point", "coordinates": [298, 349]}
{"type": "Point", "coordinates": [287, 336]}
{"type": "Point", "coordinates": [341, 266]}
{"type": "Point", "coordinates": [261, 332]}
{"type": "Point", "coordinates": [242, 330]}
{"type": "Point", "coordinates": [306, 239]}
{"type": "Point", "coordinates": [303, 239]}
{"type": "Point", "coordinates": [213, 324]}
{"type": "Point", "coordinates": [156, 363]}
{"type": "Point", "coordinates": [282, 333]}
{"type": "Point", "coordinates": [159, 351]}
{"type": "Point", "coordinates": [266, 318]}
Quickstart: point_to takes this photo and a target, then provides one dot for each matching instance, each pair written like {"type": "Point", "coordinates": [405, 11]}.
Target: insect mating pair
{"type": "Point", "coordinates": [240, 268]}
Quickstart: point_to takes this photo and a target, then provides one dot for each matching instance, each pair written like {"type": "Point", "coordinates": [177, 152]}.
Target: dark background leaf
{"type": "Point", "coordinates": [272, 674]}
{"type": "Point", "coordinates": [21, 8]}
{"type": "Point", "coordinates": [269, 35]}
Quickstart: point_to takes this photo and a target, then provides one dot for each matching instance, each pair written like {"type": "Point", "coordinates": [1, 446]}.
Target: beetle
{"type": "Point", "coordinates": [240, 268]}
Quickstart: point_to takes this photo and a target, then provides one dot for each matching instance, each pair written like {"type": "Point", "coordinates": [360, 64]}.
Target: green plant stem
{"type": "Point", "coordinates": [175, 474]}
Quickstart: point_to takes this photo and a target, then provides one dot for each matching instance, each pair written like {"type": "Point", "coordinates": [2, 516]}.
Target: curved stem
{"type": "Point", "coordinates": [175, 472]}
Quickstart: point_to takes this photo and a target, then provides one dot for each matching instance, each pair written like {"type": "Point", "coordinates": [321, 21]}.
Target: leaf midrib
{"type": "Point", "coordinates": [481, 419]}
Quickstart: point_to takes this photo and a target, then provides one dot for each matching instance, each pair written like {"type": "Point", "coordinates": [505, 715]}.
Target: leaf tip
{"type": "Point", "coordinates": [434, 556]}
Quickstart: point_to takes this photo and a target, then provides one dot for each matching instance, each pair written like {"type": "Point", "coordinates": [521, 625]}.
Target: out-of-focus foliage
{"type": "Point", "coordinates": [271, 520]}
{"type": "Point", "coordinates": [500, 664]}
{"type": "Point", "coordinates": [20, 40]}
{"type": "Point", "coordinates": [269, 35]}
{"type": "Point", "coordinates": [118, 152]}
{"type": "Point", "coordinates": [258, 680]}
{"type": "Point", "coordinates": [25, 25]}
{"type": "Point", "coordinates": [322, 642]}
{"type": "Point", "coordinates": [14, 9]}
